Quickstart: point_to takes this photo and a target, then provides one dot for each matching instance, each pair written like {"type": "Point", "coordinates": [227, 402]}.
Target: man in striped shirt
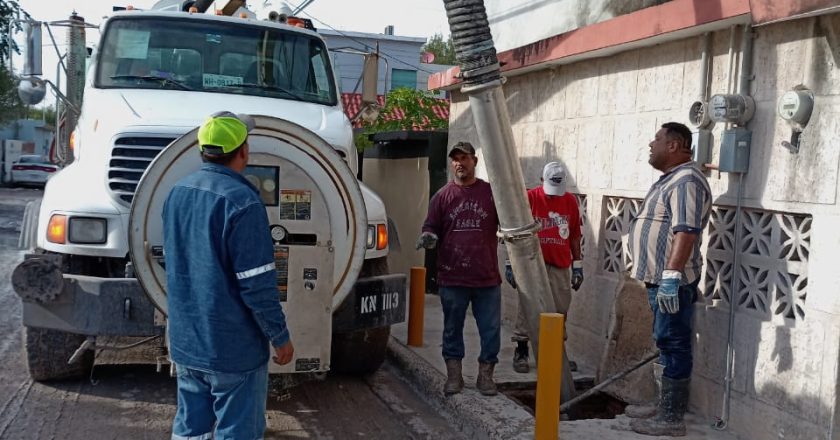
{"type": "Point", "coordinates": [665, 241]}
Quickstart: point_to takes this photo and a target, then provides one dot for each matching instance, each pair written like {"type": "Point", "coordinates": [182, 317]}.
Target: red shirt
{"type": "Point", "coordinates": [560, 219]}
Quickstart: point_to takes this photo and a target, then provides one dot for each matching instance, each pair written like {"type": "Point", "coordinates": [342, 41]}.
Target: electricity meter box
{"type": "Point", "coordinates": [318, 225]}
{"type": "Point", "coordinates": [735, 150]}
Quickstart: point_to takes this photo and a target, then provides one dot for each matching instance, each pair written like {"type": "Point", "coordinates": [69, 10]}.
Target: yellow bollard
{"type": "Point", "coordinates": [416, 304]}
{"type": "Point", "coordinates": [549, 375]}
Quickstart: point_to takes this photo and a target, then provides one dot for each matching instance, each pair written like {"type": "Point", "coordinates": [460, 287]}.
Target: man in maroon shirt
{"type": "Point", "coordinates": [462, 220]}
{"type": "Point", "coordinates": [558, 213]}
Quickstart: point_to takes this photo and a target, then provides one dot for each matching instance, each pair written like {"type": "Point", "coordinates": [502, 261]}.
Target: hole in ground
{"type": "Point", "coordinates": [596, 406]}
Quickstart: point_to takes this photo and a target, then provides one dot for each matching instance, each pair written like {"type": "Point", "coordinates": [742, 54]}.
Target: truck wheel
{"type": "Point", "coordinates": [359, 352]}
{"type": "Point", "coordinates": [47, 353]}
{"type": "Point", "coordinates": [362, 351]}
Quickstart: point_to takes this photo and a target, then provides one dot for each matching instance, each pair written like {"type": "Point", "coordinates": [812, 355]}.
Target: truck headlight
{"type": "Point", "coordinates": [88, 230]}
{"type": "Point", "coordinates": [377, 236]}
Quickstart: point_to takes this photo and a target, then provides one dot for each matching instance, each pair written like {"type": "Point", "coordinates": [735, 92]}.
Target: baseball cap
{"type": "Point", "coordinates": [554, 179]}
{"type": "Point", "coordinates": [224, 132]}
{"type": "Point", "coordinates": [461, 147]}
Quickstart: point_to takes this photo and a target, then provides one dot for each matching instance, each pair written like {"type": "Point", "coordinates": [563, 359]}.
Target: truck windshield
{"type": "Point", "coordinates": [211, 56]}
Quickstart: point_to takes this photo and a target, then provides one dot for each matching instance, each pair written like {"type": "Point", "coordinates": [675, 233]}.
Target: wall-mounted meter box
{"type": "Point", "coordinates": [701, 146]}
{"type": "Point", "coordinates": [735, 150]}
{"type": "Point", "coordinates": [795, 106]}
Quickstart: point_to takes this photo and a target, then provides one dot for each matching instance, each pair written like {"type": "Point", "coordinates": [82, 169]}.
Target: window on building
{"type": "Point", "coordinates": [403, 78]}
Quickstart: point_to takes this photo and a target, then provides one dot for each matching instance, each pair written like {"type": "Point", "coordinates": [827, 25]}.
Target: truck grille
{"type": "Point", "coordinates": [129, 159]}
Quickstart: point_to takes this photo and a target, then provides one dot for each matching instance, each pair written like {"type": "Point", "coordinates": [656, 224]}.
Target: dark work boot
{"type": "Point", "coordinates": [673, 402]}
{"type": "Point", "coordinates": [454, 381]}
{"type": "Point", "coordinates": [485, 383]}
{"type": "Point", "coordinates": [520, 357]}
{"type": "Point", "coordinates": [649, 410]}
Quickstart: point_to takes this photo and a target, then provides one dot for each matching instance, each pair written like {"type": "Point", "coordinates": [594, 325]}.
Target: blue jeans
{"type": "Point", "coordinates": [487, 310]}
{"type": "Point", "coordinates": [672, 332]}
{"type": "Point", "coordinates": [221, 406]}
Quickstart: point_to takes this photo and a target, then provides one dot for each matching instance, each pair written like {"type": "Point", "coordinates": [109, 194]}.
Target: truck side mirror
{"type": "Point", "coordinates": [32, 49]}
{"type": "Point", "coordinates": [370, 77]}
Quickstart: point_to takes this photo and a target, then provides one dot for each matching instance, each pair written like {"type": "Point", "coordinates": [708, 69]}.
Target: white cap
{"type": "Point", "coordinates": [554, 179]}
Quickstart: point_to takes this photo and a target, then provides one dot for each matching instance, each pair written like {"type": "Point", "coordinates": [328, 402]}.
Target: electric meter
{"type": "Point", "coordinates": [795, 106]}
{"type": "Point", "coordinates": [737, 109]}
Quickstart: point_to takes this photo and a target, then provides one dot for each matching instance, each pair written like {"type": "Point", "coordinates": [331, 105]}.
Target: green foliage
{"type": "Point", "coordinates": [444, 50]}
{"type": "Point", "coordinates": [10, 106]}
{"type": "Point", "coordinates": [9, 9]}
{"type": "Point", "coordinates": [46, 113]}
{"type": "Point", "coordinates": [417, 111]}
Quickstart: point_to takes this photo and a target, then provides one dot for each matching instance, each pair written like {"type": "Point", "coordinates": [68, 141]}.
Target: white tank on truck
{"type": "Point", "coordinates": [96, 266]}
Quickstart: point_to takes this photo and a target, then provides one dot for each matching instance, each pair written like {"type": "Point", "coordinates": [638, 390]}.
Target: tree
{"type": "Point", "coordinates": [444, 50]}
{"type": "Point", "coordinates": [9, 10]}
{"type": "Point", "coordinates": [405, 109]}
{"type": "Point", "coordinates": [10, 106]}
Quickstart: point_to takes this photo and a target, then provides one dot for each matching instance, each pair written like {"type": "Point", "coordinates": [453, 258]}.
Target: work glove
{"type": "Point", "coordinates": [427, 240]}
{"type": "Point", "coordinates": [509, 274]}
{"type": "Point", "coordinates": [667, 296]}
{"type": "Point", "coordinates": [577, 274]}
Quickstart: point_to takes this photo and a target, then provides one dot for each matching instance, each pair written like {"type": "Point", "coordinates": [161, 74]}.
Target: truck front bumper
{"type": "Point", "coordinates": [82, 304]}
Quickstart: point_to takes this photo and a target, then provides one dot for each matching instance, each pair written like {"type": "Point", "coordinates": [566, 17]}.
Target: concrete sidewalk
{"type": "Point", "coordinates": [500, 417]}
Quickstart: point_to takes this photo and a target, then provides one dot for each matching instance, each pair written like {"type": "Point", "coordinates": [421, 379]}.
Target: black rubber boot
{"type": "Point", "coordinates": [520, 357]}
{"type": "Point", "coordinates": [673, 402]}
{"type": "Point", "coordinates": [649, 410]}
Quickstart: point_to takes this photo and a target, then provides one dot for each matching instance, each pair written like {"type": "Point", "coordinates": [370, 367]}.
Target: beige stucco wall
{"type": "Point", "coordinates": [598, 116]}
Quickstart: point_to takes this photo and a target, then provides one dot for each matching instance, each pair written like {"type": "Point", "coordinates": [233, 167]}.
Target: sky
{"type": "Point", "coordinates": [410, 18]}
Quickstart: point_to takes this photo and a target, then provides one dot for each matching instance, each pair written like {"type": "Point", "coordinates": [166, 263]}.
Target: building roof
{"type": "Point", "coordinates": [366, 35]}
{"type": "Point", "coordinates": [352, 103]}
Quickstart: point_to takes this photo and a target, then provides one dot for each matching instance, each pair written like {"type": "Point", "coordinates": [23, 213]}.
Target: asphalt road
{"type": "Point", "coordinates": [135, 402]}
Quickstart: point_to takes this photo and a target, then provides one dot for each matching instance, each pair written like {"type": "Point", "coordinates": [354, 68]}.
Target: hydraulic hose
{"type": "Point", "coordinates": [481, 74]}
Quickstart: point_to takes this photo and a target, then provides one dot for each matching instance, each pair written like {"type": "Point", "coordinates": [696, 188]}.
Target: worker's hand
{"type": "Point", "coordinates": [577, 274]}
{"type": "Point", "coordinates": [667, 296]}
{"type": "Point", "coordinates": [284, 354]}
{"type": "Point", "coordinates": [509, 275]}
{"type": "Point", "coordinates": [427, 240]}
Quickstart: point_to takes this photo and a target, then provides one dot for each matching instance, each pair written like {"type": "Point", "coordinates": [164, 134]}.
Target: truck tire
{"type": "Point", "coordinates": [363, 351]}
{"type": "Point", "coordinates": [47, 353]}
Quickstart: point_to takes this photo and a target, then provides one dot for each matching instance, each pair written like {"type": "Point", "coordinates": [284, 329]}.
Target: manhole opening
{"type": "Point", "coordinates": [597, 406]}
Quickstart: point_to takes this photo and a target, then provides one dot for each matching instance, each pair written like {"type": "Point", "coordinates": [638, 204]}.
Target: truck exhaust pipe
{"type": "Point", "coordinates": [476, 54]}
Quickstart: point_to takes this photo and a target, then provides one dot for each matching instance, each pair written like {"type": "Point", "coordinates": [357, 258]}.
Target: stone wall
{"type": "Point", "coordinates": [598, 117]}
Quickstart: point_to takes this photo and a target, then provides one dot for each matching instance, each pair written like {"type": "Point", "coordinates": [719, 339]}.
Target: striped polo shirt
{"type": "Point", "coordinates": [680, 201]}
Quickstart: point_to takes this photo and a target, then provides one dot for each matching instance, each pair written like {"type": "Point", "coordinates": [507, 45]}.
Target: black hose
{"type": "Point", "coordinates": [202, 5]}
{"type": "Point", "coordinates": [473, 42]}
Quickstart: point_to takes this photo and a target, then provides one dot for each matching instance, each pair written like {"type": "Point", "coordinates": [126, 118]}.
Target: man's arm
{"type": "Point", "coordinates": [681, 248]}
{"type": "Point", "coordinates": [252, 257]}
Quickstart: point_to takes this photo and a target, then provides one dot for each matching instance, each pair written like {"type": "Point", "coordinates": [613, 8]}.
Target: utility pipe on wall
{"type": "Point", "coordinates": [476, 55]}
{"type": "Point", "coordinates": [744, 89]}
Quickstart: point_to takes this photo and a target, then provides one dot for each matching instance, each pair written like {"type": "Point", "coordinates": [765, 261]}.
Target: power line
{"type": "Point", "coordinates": [386, 54]}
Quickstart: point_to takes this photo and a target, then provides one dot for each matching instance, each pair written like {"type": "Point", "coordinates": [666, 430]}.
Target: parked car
{"type": "Point", "coordinates": [32, 169]}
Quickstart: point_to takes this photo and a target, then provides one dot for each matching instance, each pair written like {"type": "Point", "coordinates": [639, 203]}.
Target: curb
{"type": "Point", "coordinates": [478, 416]}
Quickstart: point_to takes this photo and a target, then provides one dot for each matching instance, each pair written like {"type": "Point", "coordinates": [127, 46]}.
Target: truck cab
{"type": "Point", "coordinates": [153, 78]}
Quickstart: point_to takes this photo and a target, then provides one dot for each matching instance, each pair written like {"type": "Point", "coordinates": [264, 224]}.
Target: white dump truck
{"type": "Point", "coordinates": [96, 267]}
